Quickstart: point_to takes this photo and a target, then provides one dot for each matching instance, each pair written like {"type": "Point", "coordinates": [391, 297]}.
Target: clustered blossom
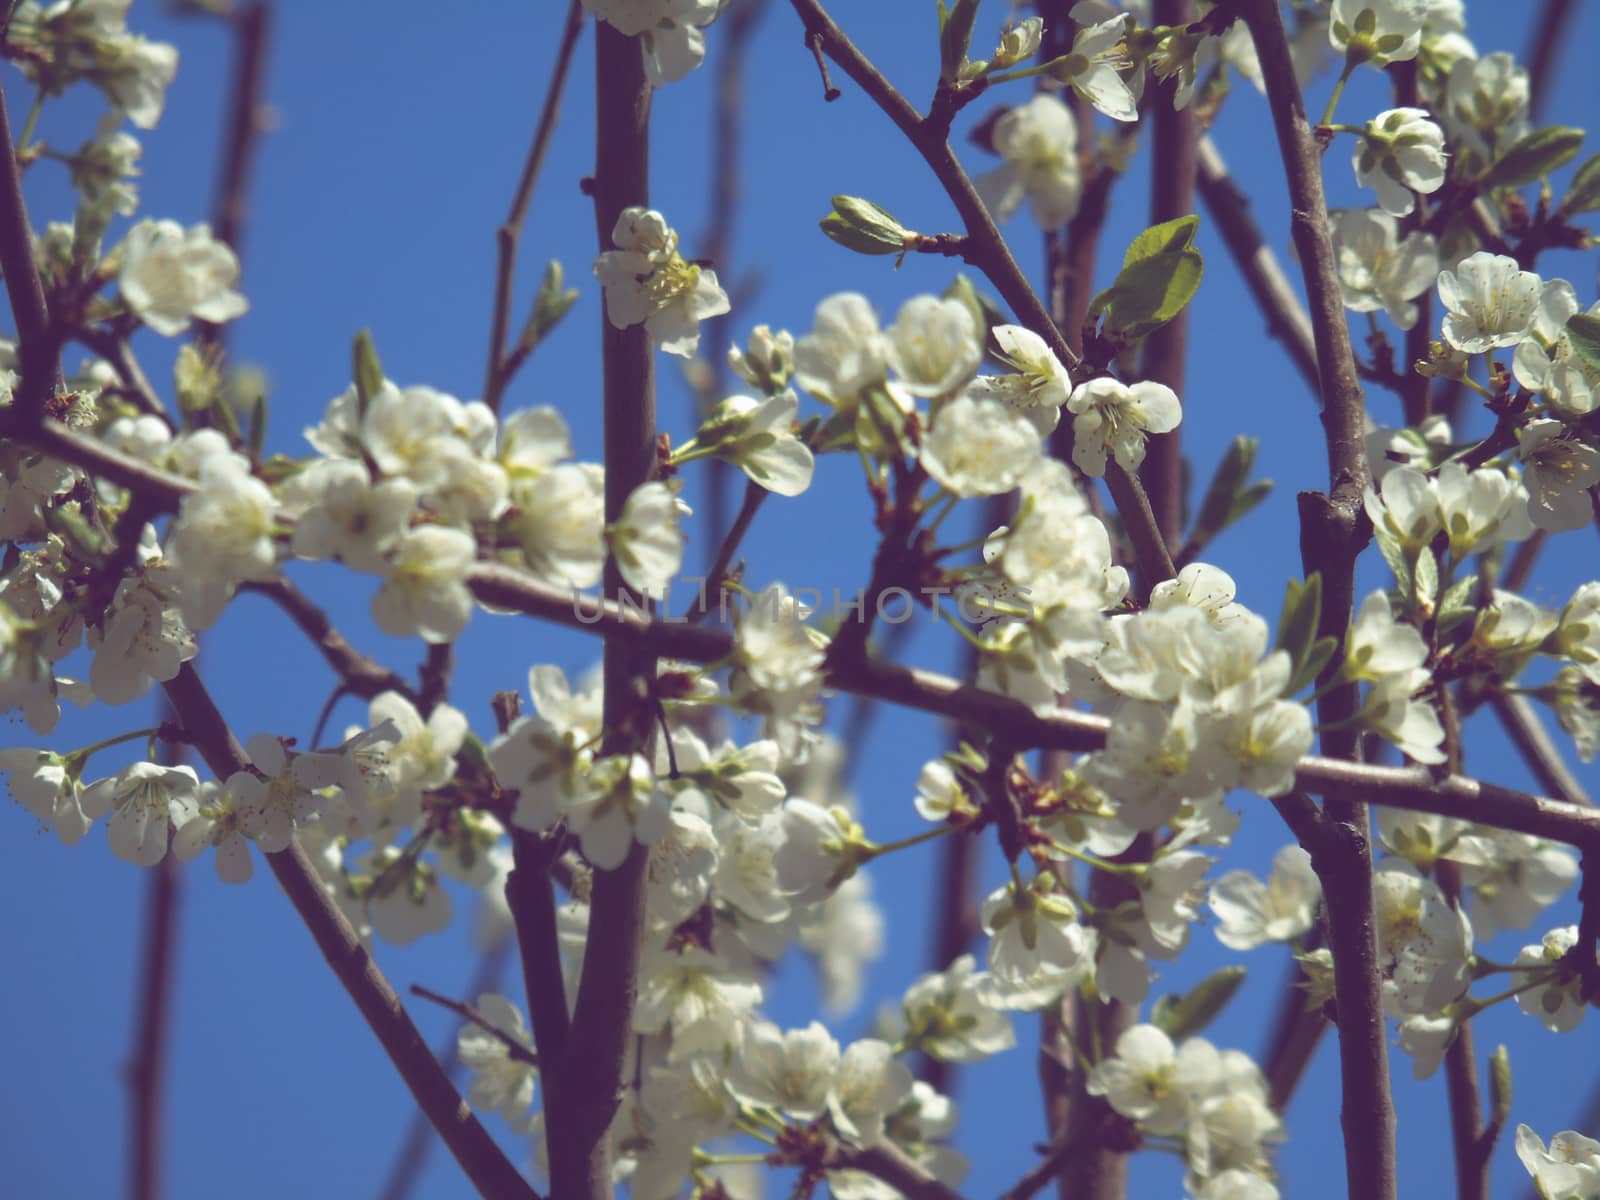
{"type": "Point", "coordinates": [747, 839]}
{"type": "Point", "coordinates": [1215, 1101]}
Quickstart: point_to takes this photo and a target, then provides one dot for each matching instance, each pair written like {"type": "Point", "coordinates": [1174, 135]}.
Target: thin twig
{"type": "Point", "coordinates": [249, 25]}
{"type": "Point", "coordinates": [507, 237]}
{"type": "Point", "coordinates": [360, 675]}
{"type": "Point", "coordinates": [488, 1168]}
{"type": "Point", "coordinates": [406, 1170]}
{"type": "Point", "coordinates": [38, 343]}
{"type": "Point", "coordinates": [1546, 43]}
{"type": "Point", "coordinates": [716, 243]}
{"type": "Point", "coordinates": [1263, 274]}
{"type": "Point", "coordinates": [1539, 751]}
{"type": "Point", "coordinates": [711, 588]}
{"type": "Point", "coordinates": [895, 1167]}
{"type": "Point", "coordinates": [433, 676]}
{"type": "Point", "coordinates": [516, 1049]}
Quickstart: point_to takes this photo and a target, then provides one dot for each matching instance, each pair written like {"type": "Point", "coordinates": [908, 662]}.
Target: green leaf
{"type": "Point", "coordinates": [1181, 1017]}
{"type": "Point", "coordinates": [365, 370]}
{"type": "Point", "coordinates": [1583, 331]}
{"type": "Point", "coordinates": [552, 302]}
{"type": "Point", "coordinates": [1247, 500]}
{"type": "Point", "coordinates": [1499, 1086]}
{"type": "Point", "coordinates": [1230, 477]}
{"type": "Point", "coordinates": [865, 227]}
{"type": "Point", "coordinates": [1583, 194]}
{"type": "Point", "coordinates": [1302, 610]}
{"type": "Point", "coordinates": [1394, 554]}
{"type": "Point", "coordinates": [1150, 292]}
{"type": "Point", "coordinates": [1456, 606]}
{"type": "Point", "coordinates": [1425, 580]}
{"type": "Point", "coordinates": [955, 35]}
{"type": "Point", "coordinates": [1306, 673]}
{"type": "Point", "coordinates": [1534, 156]}
{"type": "Point", "coordinates": [1169, 237]}
{"type": "Point", "coordinates": [258, 428]}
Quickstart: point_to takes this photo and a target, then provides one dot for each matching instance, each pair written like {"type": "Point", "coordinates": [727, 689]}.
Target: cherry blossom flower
{"type": "Point", "coordinates": [1492, 302]}
{"type": "Point", "coordinates": [1114, 417]}
{"type": "Point", "coordinates": [1038, 141]}
{"type": "Point", "coordinates": [171, 277]}
{"type": "Point", "coordinates": [1401, 151]}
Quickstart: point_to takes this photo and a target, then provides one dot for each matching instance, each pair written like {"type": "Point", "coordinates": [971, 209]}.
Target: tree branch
{"type": "Point", "coordinates": [1333, 533]}
{"type": "Point", "coordinates": [38, 342]}
{"type": "Point", "coordinates": [249, 26]}
{"type": "Point", "coordinates": [152, 1024]}
{"type": "Point", "coordinates": [360, 675]}
{"type": "Point", "coordinates": [515, 1049]}
{"type": "Point", "coordinates": [1263, 275]}
{"type": "Point", "coordinates": [591, 1069]}
{"type": "Point", "coordinates": [488, 1168]}
{"type": "Point", "coordinates": [417, 1141]}
{"type": "Point", "coordinates": [495, 373]}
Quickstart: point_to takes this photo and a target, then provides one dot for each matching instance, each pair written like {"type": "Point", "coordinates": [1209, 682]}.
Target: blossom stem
{"type": "Point", "coordinates": [1099, 864]}
{"type": "Point", "coordinates": [877, 850]}
{"type": "Point", "coordinates": [1350, 65]}
{"type": "Point", "coordinates": [29, 123]}
{"type": "Point", "coordinates": [81, 756]}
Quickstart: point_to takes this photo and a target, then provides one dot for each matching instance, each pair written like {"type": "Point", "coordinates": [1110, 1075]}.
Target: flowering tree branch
{"type": "Point", "coordinates": [250, 26]}
{"type": "Point", "coordinates": [589, 1081]}
{"type": "Point", "coordinates": [488, 1168]}
{"type": "Point", "coordinates": [1333, 533]}
{"type": "Point", "coordinates": [985, 249]}
{"type": "Point", "coordinates": [38, 342]}
{"type": "Point", "coordinates": [499, 369]}
{"type": "Point", "coordinates": [147, 1067]}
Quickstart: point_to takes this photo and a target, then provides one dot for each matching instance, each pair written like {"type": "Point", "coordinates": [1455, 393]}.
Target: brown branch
{"type": "Point", "coordinates": [1333, 533]}
{"type": "Point", "coordinates": [1533, 742]}
{"type": "Point", "coordinates": [250, 26]}
{"type": "Point", "coordinates": [1263, 275]}
{"type": "Point", "coordinates": [433, 676]}
{"type": "Point", "coordinates": [927, 691]}
{"type": "Point", "coordinates": [495, 374]}
{"type": "Point", "coordinates": [1039, 1176]}
{"type": "Point", "coordinates": [1174, 165]}
{"type": "Point", "coordinates": [1547, 42]}
{"type": "Point", "coordinates": [895, 1167]}
{"type": "Point", "coordinates": [590, 1078]}
{"type": "Point", "coordinates": [711, 588]}
{"type": "Point", "coordinates": [488, 1168]}
{"type": "Point", "coordinates": [114, 348]}
{"type": "Point", "coordinates": [417, 1141]}
{"type": "Point", "coordinates": [360, 675]}
{"type": "Point", "coordinates": [716, 243]}
{"type": "Point", "coordinates": [147, 1069]}
{"type": "Point", "coordinates": [38, 342]}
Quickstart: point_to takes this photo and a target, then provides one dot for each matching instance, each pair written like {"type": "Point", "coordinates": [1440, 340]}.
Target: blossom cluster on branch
{"type": "Point", "coordinates": [740, 811]}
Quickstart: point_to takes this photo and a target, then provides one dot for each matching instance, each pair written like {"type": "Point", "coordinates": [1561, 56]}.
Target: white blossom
{"type": "Point", "coordinates": [793, 1071]}
{"type": "Point", "coordinates": [171, 277]}
{"type": "Point", "coordinates": [1376, 31]}
{"type": "Point", "coordinates": [501, 1081]}
{"type": "Point", "coordinates": [1114, 417]}
{"type": "Point", "coordinates": [648, 282]}
{"type": "Point", "coordinates": [1280, 910]}
{"type": "Point", "coordinates": [424, 592]}
{"type": "Point", "coordinates": [146, 803]}
{"type": "Point", "coordinates": [1377, 269]}
{"type": "Point", "coordinates": [646, 540]}
{"type": "Point", "coordinates": [1492, 302]}
{"type": "Point", "coordinates": [1400, 151]}
{"type": "Point", "coordinates": [979, 447]}
{"type": "Point", "coordinates": [1038, 141]}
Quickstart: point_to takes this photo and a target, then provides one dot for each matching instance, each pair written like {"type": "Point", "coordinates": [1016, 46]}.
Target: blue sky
{"type": "Point", "coordinates": [395, 145]}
